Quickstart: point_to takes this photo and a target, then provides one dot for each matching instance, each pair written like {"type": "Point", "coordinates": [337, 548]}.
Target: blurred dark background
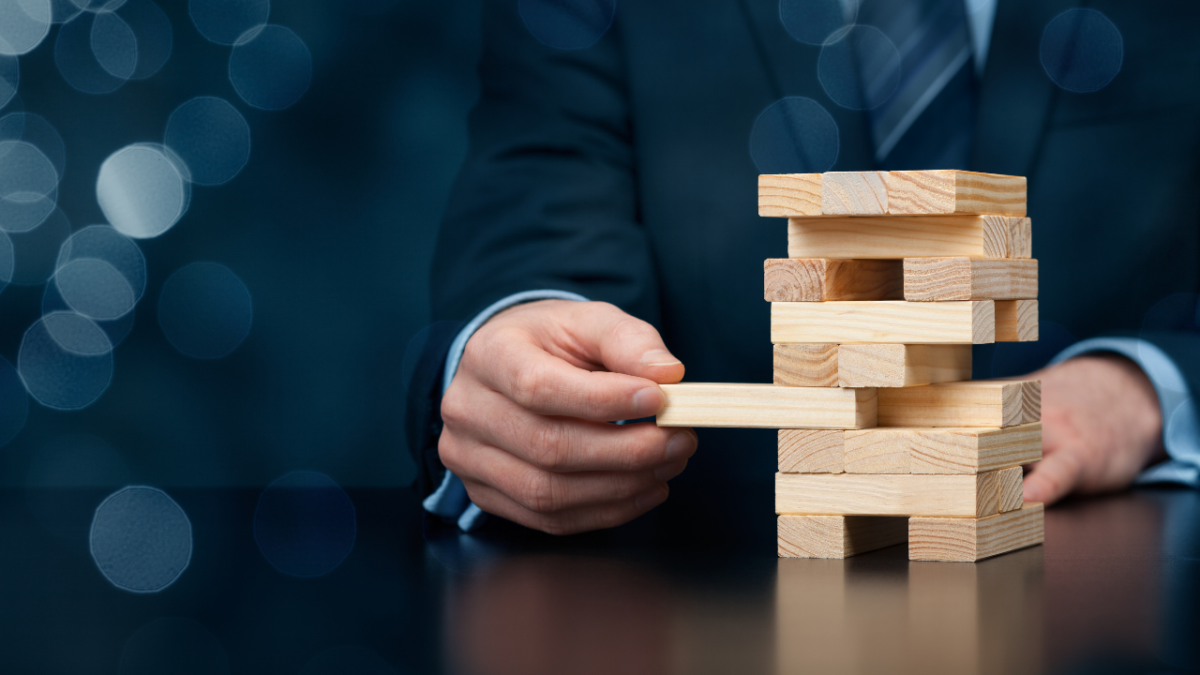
{"type": "Point", "coordinates": [329, 225]}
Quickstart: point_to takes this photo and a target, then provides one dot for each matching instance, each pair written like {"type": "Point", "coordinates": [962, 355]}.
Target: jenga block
{"type": "Point", "coordinates": [972, 539]}
{"type": "Point", "coordinates": [825, 279]}
{"type": "Point", "coordinates": [789, 195]}
{"type": "Point", "coordinates": [853, 193]}
{"type": "Point", "coordinates": [766, 406]}
{"type": "Point", "coordinates": [985, 403]}
{"type": "Point", "coordinates": [1020, 238]}
{"type": "Point", "coordinates": [947, 450]}
{"type": "Point", "coordinates": [896, 365]}
{"type": "Point", "coordinates": [1017, 321]}
{"type": "Point", "coordinates": [838, 536]}
{"type": "Point", "coordinates": [1011, 488]}
{"type": "Point", "coordinates": [811, 450]}
{"type": "Point", "coordinates": [867, 455]}
{"type": "Point", "coordinates": [946, 192]}
{"type": "Point", "coordinates": [893, 237]}
{"type": "Point", "coordinates": [806, 365]}
{"type": "Point", "coordinates": [960, 278]}
{"type": "Point", "coordinates": [856, 494]}
{"type": "Point", "coordinates": [969, 322]}
{"type": "Point", "coordinates": [1031, 401]}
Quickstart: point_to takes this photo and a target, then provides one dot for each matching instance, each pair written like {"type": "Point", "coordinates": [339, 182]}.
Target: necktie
{"type": "Point", "coordinates": [927, 122]}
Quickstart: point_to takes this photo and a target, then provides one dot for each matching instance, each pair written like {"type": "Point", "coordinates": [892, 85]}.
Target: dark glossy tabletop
{"type": "Point", "coordinates": [1116, 588]}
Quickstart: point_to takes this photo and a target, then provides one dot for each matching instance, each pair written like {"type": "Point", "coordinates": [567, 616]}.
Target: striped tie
{"type": "Point", "coordinates": [927, 122]}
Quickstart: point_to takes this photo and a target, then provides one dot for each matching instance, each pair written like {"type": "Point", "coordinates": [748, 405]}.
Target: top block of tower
{"type": "Point", "coordinates": [875, 193]}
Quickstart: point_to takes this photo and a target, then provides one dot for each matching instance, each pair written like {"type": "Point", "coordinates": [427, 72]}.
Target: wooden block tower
{"type": "Point", "coordinates": [883, 437]}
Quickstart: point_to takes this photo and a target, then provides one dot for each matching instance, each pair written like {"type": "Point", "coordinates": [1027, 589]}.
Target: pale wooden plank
{"type": "Point", "coordinates": [825, 279]}
{"type": "Point", "coordinates": [1010, 487]}
{"type": "Point", "coordinates": [766, 406]}
{"type": "Point", "coordinates": [950, 192]}
{"type": "Point", "coordinates": [1031, 401]}
{"type": "Point", "coordinates": [859, 494]}
{"type": "Point", "coordinates": [867, 455]}
{"type": "Point", "coordinates": [807, 365]}
{"type": "Point", "coordinates": [1020, 238]}
{"type": "Point", "coordinates": [883, 322]}
{"type": "Point", "coordinates": [972, 539]}
{"type": "Point", "coordinates": [956, 450]}
{"type": "Point", "coordinates": [789, 195]}
{"type": "Point", "coordinates": [898, 365]}
{"type": "Point", "coordinates": [893, 237]}
{"type": "Point", "coordinates": [962, 278]}
{"type": "Point", "coordinates": [984, 403]}
{"type": "Point", "coordinates": [811, 450]}
{"type": "Point", "coordinates": [837, 537]}
{"type": "Point", "coordinates": [1016, 321]}
{"type": "Point", "coordinates": [853, 193]}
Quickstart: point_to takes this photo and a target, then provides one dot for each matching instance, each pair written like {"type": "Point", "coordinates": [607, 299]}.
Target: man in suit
{"type": "Point", "coordinates": [603, 234]}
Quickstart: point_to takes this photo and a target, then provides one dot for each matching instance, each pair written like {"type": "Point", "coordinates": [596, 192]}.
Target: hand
{"type": "Point", "coordinates": [526, 417]}
{"type": "Point", "coordinates": [1101, 425]}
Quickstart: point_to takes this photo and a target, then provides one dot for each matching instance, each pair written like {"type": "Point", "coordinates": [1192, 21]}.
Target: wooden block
{"type": "Point", "coordinates": [806, 365]}
{"type": "Point", "coordinates": [971, 539]}
{"type": "Point", "coordinates": [853, 193]}
{"type": "Point", "coordinates": [968, 322]}
{"type": "Point", "coordinates": [943, 450]}
{"type": "Point", "coordinates": [856, 494]}
{"type": "Point", "coordinates": [1010, 486]}
{"type": "Point", "coordinates": [961, 278]}
{"type": "Point", "coordinates": [1017, 321]}
{"type": "Point", "coordinates": [983, 403]}
{"type": "Point", "coordinates": [999, 490]}
{"type": "Point", "coordinates": [893, 237]}
{"type": "Point", "coordinates": [1031, 401]}
{"type": "Point", "coordinates": [938, 192]}
{"type": "Point", "coordinates": [825, 279]}
{"type": "Point", "coordinates": [766, 406]}
{"type": "Point", "coordinates": [902, 365]}
{"type": "Point", "coordinates": [811, 450]}
{"type": "Point", "coordinates": [789, 195]}
{"type": "Point", "coordinates": [1020, 238]}
{"type": "Point", "coordinates": [838, 536]}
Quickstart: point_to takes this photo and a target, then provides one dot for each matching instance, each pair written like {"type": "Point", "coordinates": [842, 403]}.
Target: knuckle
{"type": "Point", "coordinates": [550, 445]}
{"type": "Point", "coordinates": [538, 493]}
{"type": "Point", "coordinates": [528, 385]}
{"type": "Point", "coordinates": [454, 407]}
{"type": "Point", "coordinates": [448, 452]}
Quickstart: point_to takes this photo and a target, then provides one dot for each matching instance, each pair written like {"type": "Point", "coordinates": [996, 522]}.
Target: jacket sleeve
{"type": "Point", "coordinates": [546, 197]}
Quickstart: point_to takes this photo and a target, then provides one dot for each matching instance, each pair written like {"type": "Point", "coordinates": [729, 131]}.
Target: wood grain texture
{"type": "Point", "coordinates": [972, 539]}
{"type": "Point", "coordinates": [811, 450]}
{"type": "Point", "coordinates": [766, 406]}
{"type": "Point", "coordinates": [1010, 487]}
{"type": "Point", "coordinates": [954, 192]}
{"type": "Point", "coordinates": [826, 279]}
{"type": "Point", "coordinates": [789, 195]}
{"type": "Point", "coordinates": [1020, 238]}
{"type": "Point", "coordinates": [1016, 321]}
{"type": "Point", "coordinates": [886, 322]}
{"type": "Point", "coordinates": [983, 403]}
{"type": "Point", "coordinates": [873, 454]}
{"type": "Point", "coordinates": [853, 193]}
{"type": "Point", "coordinates": [1031, 401]}
{"type": "Point", "coordinates": [856, 494]}
{"type": "Point", "coordinates": [898, 365]}
{"type": "Point", "coordinates": [837, 537]}
{"type": "Point", "coordinates": [807, 365]}
{"type": "Point", "coordinates": [894, 237]}
{"type": "Point", "coordinates": [999, 490]}
{"type": "Point", "coordinates": [963, 450]}
{"type": "Point", "coordinates": [962, 278]}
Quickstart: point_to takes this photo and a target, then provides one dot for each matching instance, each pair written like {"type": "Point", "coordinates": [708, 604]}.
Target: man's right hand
{"type": "Point", "coordinates": [526, 417]}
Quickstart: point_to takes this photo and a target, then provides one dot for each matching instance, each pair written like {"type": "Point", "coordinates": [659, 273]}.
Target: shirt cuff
{"type": "Point", "coordinates": [1181, 433]}
{"type": "Point", "coordinates": [450, 500]}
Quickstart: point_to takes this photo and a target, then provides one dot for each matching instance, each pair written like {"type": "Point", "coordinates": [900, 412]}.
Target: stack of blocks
{"type": "Point", "coordinates": [890, 278]}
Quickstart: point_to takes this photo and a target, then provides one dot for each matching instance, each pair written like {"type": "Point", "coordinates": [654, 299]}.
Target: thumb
{"type": "Point", "coordinates": [624, 344]}
{"type": "Point", "coordinates": [1054, 477]}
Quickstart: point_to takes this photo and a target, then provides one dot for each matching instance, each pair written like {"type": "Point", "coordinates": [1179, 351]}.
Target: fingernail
{"type": "Point", "coordinates": [666, 472]}
{"type": "Point", "coordinates": [648, 500]}
{"type": "Point", "coordinates": [647, 402]}
{"type": "Point", "coordinates": [681, 446]}
{"type": "Point", "coordinates": [658, 357]}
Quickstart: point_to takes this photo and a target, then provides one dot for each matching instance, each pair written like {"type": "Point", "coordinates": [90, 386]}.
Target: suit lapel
{"type": "Point", "coordinates": [1016, 97]}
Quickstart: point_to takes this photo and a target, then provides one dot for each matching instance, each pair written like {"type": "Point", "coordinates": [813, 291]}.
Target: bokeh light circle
{"type": "Point", "coordinates": [14, 402]}
{"type": "Point", "coordinates": [1082, 50]}
{"type": "Point", "coordinates": [114, 45]}
{"type": "Point", "coordinates": [116, 330]}
{"type": "Point", "coordinates": [305, 524]}
{"type": "Point", "coordinates": [104, 243]}
{"type": "Point", "coordinates": [348, 659]}
{"type": "Point", "coordinates": [211, 137]}
{"type": "Point", "coordinates": [567, 24]}
{"type": "Point", "coordinates": [10, 78]}
{"type": "Point", "coordinates": [141, 540]}
{"type": "Point", "coordinates": [95, 289]}
{"type": "Point", "coordinates": [64, 363]}
{"type": "Point", "coordinates": [36, 250]}
{"type": "Point", "coordinates": [34, 129]}
{"type": "Point", "coordinates": [77, 60]}
{"type": "Point", "coordinates": [28, 186]}
{"type": "Point", "coordinates": [173, 645]}
{"type": "Point", "coordinates": [270, 67]}
{"type": "Point", "coordinates": [23, 25]}
{"type": "Point", "coordinates": [860, 68]}
{"type": "Point", "coordinates": [62, 11]}
{"type": "Point", "coordinates": [155, 39]}
{"type": "Point", "coordinates": [814, 21]}
{"type": "Point", "coordinates": [794, 135]}
{"type": "Point", "coordinates": [141, 191]}
{"type": "Point", "coordinates": [205, 310]}
{"type": "Point", "coordinates": [224, 21]}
